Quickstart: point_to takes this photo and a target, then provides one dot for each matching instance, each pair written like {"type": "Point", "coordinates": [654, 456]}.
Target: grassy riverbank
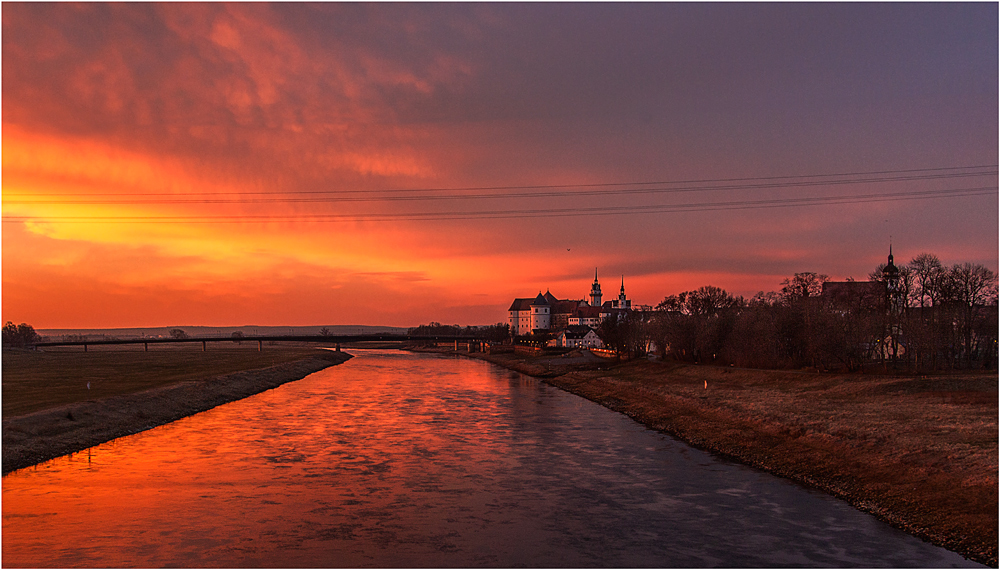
{"type": "Point", "coordinates": [918, 452]}
{"type": "Point", "coordinates": [49, 412]}
{"type": "Point", "coordinates": [36, 380]}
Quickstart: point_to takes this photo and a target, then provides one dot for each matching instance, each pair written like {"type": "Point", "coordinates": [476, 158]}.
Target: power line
{"type": "Point", "coordinates": [526, 213]}
{"type": "Point", "coordinates": [900, 174]}
{"type": "Point", "coordinates": [508, 196]}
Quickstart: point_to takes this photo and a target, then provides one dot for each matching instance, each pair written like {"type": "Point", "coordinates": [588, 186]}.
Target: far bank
{"type": "Point", "coordinates": [176, 384]}
{"type": "Point", "coordinates": [919, 452]}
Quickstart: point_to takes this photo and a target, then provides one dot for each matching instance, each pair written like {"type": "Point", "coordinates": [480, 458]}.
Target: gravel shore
{"type": "Point", "coordinates": [33, 438]}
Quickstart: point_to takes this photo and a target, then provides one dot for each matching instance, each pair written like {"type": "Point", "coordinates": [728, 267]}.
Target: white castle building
{"type": "Point", "coordinates": [546, 313]}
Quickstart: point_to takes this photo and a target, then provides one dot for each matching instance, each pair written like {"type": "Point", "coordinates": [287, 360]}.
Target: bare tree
{"type": "Point", "coordinates": [973, 286]}
{"type": "Point", "coordinates": [696, 324]}
{"type": "Point", "coordinates": [803, 285]}
{"type": "Point", "coordinates": [755, 337]}
{"type": "Point", "coordinates": [902, 289]}
{"type": "Point", "coordinates": [499, 332]}
{"type": "Point", "coordinates": [926, 269]}
{"type": "Point", "coordinates": [797, 292]}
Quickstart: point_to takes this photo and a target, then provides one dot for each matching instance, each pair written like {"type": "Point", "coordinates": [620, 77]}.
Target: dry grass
{"type": "Point", "coordinates": [919, 452]}
{"type": "Point", "coordinates": [34, 381]}
{"type": "Point", "coordinates": [190, 386]}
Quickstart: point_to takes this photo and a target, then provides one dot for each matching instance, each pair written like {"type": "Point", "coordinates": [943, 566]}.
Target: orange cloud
{"type": "Point", "coordinates": [204, 103]}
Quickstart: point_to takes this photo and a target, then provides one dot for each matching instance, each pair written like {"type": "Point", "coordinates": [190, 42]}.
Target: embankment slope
{"type": "Point", "coordinates": [32, 438]}
{"type": "Point", "coordinates": [920, 453]}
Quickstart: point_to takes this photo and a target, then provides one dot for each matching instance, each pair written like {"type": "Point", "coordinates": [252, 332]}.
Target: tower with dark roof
{"type": "Point", "coordinates": [541, 317]}
{"type": "Point", "coordinates": [893, 287]}
{"type": "Point", "coordinates": [623, 303]}
{"type": "Point", "coordinates": [595, 292]}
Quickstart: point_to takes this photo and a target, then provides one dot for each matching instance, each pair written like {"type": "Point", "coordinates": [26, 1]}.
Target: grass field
{"type": "Point", "coordinates": [34, 381]}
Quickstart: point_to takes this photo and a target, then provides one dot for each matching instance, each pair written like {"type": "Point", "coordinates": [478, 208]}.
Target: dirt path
{"type": "Point", "coordinates": [40, 436]}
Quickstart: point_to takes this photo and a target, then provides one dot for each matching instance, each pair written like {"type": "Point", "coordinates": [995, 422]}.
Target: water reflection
{"type": "Point", "coordinates": [403, 460]}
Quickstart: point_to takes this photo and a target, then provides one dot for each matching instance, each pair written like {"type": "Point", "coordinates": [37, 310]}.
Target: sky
{"type": "Point", "coordinates": [396, 164]}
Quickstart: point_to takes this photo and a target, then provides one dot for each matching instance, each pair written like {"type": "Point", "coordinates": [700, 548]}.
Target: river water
{"type": "Point", "coordinates": [406, 460]}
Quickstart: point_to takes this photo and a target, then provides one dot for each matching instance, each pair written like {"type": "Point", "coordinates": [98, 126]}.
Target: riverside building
{"type": "Point", "coordinates": [545, 313]}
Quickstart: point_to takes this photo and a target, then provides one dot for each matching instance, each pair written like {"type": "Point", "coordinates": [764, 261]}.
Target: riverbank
{"type": "Point", "coordinates": [31, 438]}
{"type": "Point", "coordinates": [917, 452]}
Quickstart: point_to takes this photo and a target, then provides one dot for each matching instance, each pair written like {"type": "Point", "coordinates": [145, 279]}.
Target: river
{"type": "Point", "coordinates": [396, 459]}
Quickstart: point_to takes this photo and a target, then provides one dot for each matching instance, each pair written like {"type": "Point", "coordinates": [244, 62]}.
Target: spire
{"type": "Point", "coordinates": [595, 291]}
{"type": "Point", "coordinates": [891, 272]}
{"type": "Point", "coordinates": [623, 302]}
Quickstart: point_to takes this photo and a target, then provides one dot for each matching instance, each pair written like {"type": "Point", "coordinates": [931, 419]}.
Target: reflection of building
{"type": "Point", "coordinates": [546, 313]}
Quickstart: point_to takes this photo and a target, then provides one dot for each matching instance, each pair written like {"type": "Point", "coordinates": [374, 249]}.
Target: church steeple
{"type": "Point", "coordinates": [623, 302]}
{"type": "Point", "coordinates": [892, 281]}
{"type": "Point", "coordinates": [595, 292]}
{"type": "Point", "coordinates": [890, 267]}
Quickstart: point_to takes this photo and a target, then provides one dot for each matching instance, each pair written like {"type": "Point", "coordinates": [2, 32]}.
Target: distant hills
{"type": "Point", "coordinates": [200, 331]}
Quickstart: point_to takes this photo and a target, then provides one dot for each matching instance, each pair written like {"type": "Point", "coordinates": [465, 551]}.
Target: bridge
{"type": "Point", "coordinates": [337, 340]}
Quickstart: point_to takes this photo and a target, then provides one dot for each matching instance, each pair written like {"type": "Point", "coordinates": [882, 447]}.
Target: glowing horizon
{"type": "Point", "coordinates": [169, 164]}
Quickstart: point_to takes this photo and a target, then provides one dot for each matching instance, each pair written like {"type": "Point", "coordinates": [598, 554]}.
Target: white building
{"type": "Point", "coordinates": [541, 314]}
{"type": "Point", "coordinates": [586, 316]}
{"type": "Point", "coordinates": [579, 336]}
{"type": "Point", "coordinates": [547, 313]}
{"type": "Point", "coordinates": [527, 315]}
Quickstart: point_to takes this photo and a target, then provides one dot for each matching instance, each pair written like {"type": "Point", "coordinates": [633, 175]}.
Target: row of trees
{"type": "Point", "coordinates": [21, 335]}
{"type": "Point", "coordinates": [496, 333]}
{"type": "Point", "coordinates": [923, 316]}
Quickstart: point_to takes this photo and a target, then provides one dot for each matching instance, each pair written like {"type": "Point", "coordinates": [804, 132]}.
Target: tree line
{"type": "Point", "coordinates": [499, 332]}
{"type": "Point", "coordinates": [20, 336]}
{"type": "Point", "coordinates": [920, 316]}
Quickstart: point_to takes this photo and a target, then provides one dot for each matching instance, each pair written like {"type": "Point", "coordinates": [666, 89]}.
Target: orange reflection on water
{"type": "Point", "coordinates": [401, 460]}
{"type": "Point", "coordinates": [219, 487]}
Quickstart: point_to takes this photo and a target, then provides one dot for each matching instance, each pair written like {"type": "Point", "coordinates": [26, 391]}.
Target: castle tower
{"type": "Point", "coordinates": [541, 316]}
{"type": "Point", "coordinates": [595, 292]}
{"type": "Point", "coordinates": [623, 303]}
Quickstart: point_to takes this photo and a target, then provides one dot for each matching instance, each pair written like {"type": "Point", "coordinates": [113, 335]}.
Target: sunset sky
{"type": "Point", "coordinates": [395, 164]}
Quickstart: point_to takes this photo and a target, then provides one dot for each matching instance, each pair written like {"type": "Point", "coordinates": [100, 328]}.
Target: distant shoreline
{"type": "Point", "coordinates": [40, 436]}
{"type": "Point", "coordinates": [815, 429]}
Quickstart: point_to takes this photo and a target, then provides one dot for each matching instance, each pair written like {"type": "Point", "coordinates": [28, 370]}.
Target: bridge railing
{"type": "Point", "coordinates": [327, 339]}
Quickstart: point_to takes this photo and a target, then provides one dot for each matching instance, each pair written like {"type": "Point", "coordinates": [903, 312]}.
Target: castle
{"type": "Point", "coordinates": [546, 313]}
